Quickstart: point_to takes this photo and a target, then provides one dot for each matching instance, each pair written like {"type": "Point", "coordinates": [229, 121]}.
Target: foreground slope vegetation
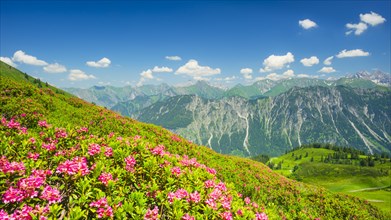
{"type": "Point", "coordinates": [63, 158]}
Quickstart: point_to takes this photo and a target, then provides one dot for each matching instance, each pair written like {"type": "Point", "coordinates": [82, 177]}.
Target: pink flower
{"type": "Point", "coordinates": [158, 150]}
{"type": "Point", "coordinates": [211, 170]}
{"type": "Point", "coordinates": [187, 217]}
{"type": "Point", "coordinates": [105, 177]}
{"type": "Point", "coordinates": [74, 166]}
{"type": "Point", "coordinates": [215, 194]}
{"type": "Point", "coordinates": [13, 124]}
{"type": "Point", "coordinates": [195, 197]}
{"type": "Point", "coordinates": [49, 147]}
{"type": "Point", "coordinates": [13, 167]}
{"type": "Point", "coordinates": [43, 124]}
{"type": "Point", "coordinates": [23, 115]}
{"type": "Point", "coordinates": [255, 205]}
{"type": "Point", "coordinates": [221, 186]}
{"type": "Point", "coordinates": [152, 214]}
{"type": "Point", "coordinates": [13, 195]}
{"type": "Point", "coordinates": [130, 163]}
{"type": "Point", "coordinates": [137, 137]}
{"type": "Point", "coordinates": [51, 194]}
{"type": "Point", "coordinates": [33, 156]}
{"type": "Point", "coordinates": [261, 216]}
{"type": "Point", "coordinates": [226, 215]}
{"type": "Point", "coordinates": [171, 196]}
{"type": "Point", "coordinates": [226, 202]}
{"type": "Point", "coordinates": [176, 171]}
{"type": "Point", "coordinates": [209, 184]}
{"type": "Point", "coordinates": [82, 129]}
{"type": "Point", "coordinates": [211, 203]}
{"type": "Point", "coordinates": [108, 151]}
{"type": "Point", "coordinates": [104, 210]}
{"type": "Point", "coordinates": [24, 213]}
{"type": "Point", "coordinates": [181, 193]}
{"type": "Point", "coordinates": [30, 184]}
{"type": "Point", "coordinates": [239, 212]}
{"type": "Point", "coordinates": [61, 133]}
{"type": "Point", "coordinates": [175, 138]}
{"type": "Point", "coordinates": [247, 200]}
{"type": "Point", "coordinates": [32, 140]}
{"type": "Point", "coordinates": [93, 149]}
{"type": "Point", "coordinates": [4, 215]}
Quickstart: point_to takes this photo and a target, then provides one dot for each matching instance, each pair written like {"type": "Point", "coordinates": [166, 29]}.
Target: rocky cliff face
{"type": "Point", "coordinates": [339, 115]}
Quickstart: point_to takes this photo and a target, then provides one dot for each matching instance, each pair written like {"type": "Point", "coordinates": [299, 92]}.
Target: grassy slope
{"type": "Point", "coordinates": [279, 196]}
{"type": "Point", "coordinates": [349, 179]}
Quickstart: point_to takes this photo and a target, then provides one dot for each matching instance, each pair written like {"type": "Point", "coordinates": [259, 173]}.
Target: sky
{"type": "Point", "coordinates": [119, 43]}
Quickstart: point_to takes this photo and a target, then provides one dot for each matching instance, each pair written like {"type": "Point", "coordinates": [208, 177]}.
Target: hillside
{"type": "Point", "coordinates": [349, 174]}
{"type": "Point", "coordinates": [340, 115]}
{"type": "Point", "coordinates": [79, 160]}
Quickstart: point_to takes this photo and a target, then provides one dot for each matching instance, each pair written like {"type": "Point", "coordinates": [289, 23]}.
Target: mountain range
{"type": "Point", "coordinates": [267, 116]}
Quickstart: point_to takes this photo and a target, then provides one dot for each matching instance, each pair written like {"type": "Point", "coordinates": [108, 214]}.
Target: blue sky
{"type": "Point", "coordinates": [85, 43]}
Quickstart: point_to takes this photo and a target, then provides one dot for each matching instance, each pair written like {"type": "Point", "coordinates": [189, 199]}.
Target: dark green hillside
{"type": "Point", "coordinates": [83, 162]}
{"type": "Point", "coordinates": [340, 170]}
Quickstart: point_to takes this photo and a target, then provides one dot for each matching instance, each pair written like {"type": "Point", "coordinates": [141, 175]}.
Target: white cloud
{"type": "Point", "coordinates": [147, 74]}
{"type": "Point", "coordinates": [304, 76]}
{"type": "Point", "coordinates": [55, 68]}
{"type": "Point", "coordinates": [191, 68]}
{"type": "Point", "coordinates": [200, 78]}
{"type": "Point", "coordinates": [328, 69]}
{"type": "Point", "coordinates": [288, 73]}
{"type": "Point", "coordinates": [246, 72]}
{"type": "Point", "coordinates": [226, 79]}
{"type": "Point", "coordinates": [307, 24]}
{"type": "Point", "coordinates": [310, 61]}
{"type": "Point", "coordinates": [102, 63]}
{"type": "Point", "coordinates": [76, 74]}
{"type": "Point", "coordinates": [357, 28]}
{"type": "Point", "coordinates": [8, 61]}
{"type": "Point", "coordinates": [372, 18]}
{"type": "Point", "coordinates": [173, 58]}
{"type": "Point", "coordinates": [274, 62]}
{"type": "Point", "coordinates": [22, 57]}
{"type": "Point", "coordinates": [352, 53]}
{"type": "Point", "coordinates": [162, 69]}
{"type": "Point", "coordinates": [328, 60]}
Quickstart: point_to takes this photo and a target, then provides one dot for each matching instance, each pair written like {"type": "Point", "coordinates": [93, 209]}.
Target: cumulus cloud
{"type": "Point", "coordinates": [246, 72]}
{"type": "Point", "coordinates": [357, 28]}
{"type": "Point", "coordinates": [147, 74]}
{"type": "Point", "coordinates": [310, 61]}
{"type": "Point", "coordinates": [102, 63]}
{"type": "Point", "coordinates": [274, 76]}
{"type": "Point", "coordinates": [328, 60]}
{"type": "Point", "coordinates": [22, 57]}
{"type": "Point", "coordinates": [274, 62]}
{"type": "Point", "coordinates": [162, 69]}
{"type": "Point", "coordinates": [55, 68]}
{"type": "Point", "coordinates": [307, 24]}
{"type": "Point", "coordinates": [328, 69]}
{"type": "Point", "coordinates": [193, 69]}
{"type": "Point", "coordinates": [352, 53]}
{"type": "Point", "coordinates": [174, 58]}
{"type": "Point", "coordinates": [289, 73]}
{"type": "Point", "coordinates": [76, 74]}
{"type": "Point", "coordinates": [372, 18]}
{"type": "Point", "coordinates": [8, 61]}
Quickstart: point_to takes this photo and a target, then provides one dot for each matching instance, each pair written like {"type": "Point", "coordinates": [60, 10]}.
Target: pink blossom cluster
{"type": "Point", "coordinates": [189, 162]}
{"type": "Point", "coordinates": [188, 217]}
{"type": "Point", "coordinates": [24, 213]}
{"type": "Point", "coordinates": [130, 163]}
{"type": "Point", "coordinates": [43, 124]}
{"type": "Point", "coordinates": [194, 197]}
{"type": "Point", "coordinates": [152, 214]}
{"type": "Point", "coordinates": [74, 166]}
{"type": "Point", "coordinates": [226, 216]}
{"type": "Point", "coordinates": [82, 129]}
{"type": "Point", "coordinates": [137, 137]}
{"type": "Point", "coordinates": [211, 170]}
{"type": "Point", "coordinates": [13, 124]}
{"type": "Point", "coordinates": [158, 150]}
{"type": "Point", "coordinates": [51, 194]}
{"type": "Point", "coordinates": [105, 177]}
{"type": "Point", "coordinates": [49, 146]}
{"type": "Point", "coordinates": [93, 149]}
{"type": "Point", "coordinates": [176, 171]}
{"type": "Point", "coordinates": [261, 216]}
{"type": "Point", "coordinates": [11, 167]}
{"type": "Point", "coordinates": [61, 133]}
{"type": "Point", "coordinates": [175, 138]}
{"type": "Point", "coordinates": [108, 151]}
{"type": "Point", "coordinates": [104, 210]}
